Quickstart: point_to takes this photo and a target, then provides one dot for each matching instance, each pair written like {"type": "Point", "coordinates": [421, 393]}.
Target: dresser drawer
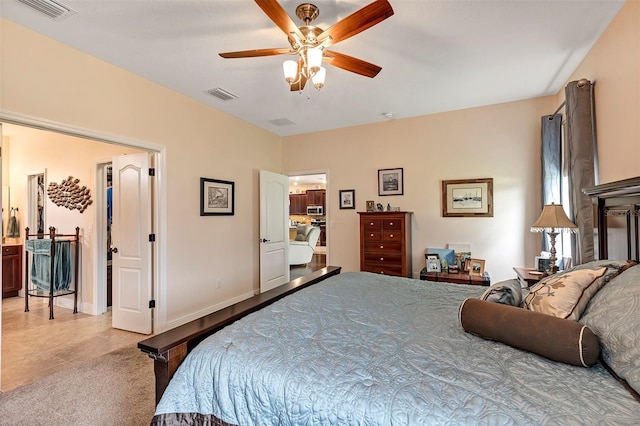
{"type": "Point", "coordinates": [372, 224]}
{"type": "Point", "coordinates": [390, 236]}
{"type": "Point", "coordinates": [382, 247]}
{"type": "Point", "coordinates": [386, 257]}
{"type": "Point", "coordinates": [392, 224]}
{"type": "Point", "coordinates": [377, 268]}
{"type": "Point", "coordinates": [9, 250]}
{"type": "Point", "coordinates": [368, 236]}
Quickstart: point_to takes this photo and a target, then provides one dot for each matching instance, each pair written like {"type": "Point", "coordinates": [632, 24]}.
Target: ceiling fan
{"type": "Point", "coordinates": [310, 42]}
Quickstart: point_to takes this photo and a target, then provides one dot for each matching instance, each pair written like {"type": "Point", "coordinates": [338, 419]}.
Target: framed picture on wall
{"type": "Point", "coordinates": [216, 197]}
{"type": "Point", "coordinates": [467, 198]}
{"type": "Point", "coordinates": [391, 181]}
{"type": "Point", "coordinates": [347, 199]}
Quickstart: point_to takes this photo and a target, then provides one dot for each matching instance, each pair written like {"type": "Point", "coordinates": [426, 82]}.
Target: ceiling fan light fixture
{"type": "Point", "coordinates": [290, 69]}
{"type": "Point", "coordinates": [314, 60]}
{"type": "Point", "coordinates": [318, 78]}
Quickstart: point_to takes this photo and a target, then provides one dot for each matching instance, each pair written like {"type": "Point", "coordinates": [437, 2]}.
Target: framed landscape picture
{"type": "Point", "coordinates": [216, 197]}
{"type": "Point", "coordinates": [390, 181]}
{"type": "Point", "coordinates": [467, 198]}
{"type": "Point", "coordinates": [347, 198]}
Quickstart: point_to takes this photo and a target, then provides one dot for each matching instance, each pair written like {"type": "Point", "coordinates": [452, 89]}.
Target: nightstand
{"type": "Point", "coordinates": [460, 278]}
{"type": "Point", "coordinates": [529, 276]}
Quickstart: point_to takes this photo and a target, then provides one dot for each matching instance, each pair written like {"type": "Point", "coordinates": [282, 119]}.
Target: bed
{"type": "Point", "coordinates": [361, 348]}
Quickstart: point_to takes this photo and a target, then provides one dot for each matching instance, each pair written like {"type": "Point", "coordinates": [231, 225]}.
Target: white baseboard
{"type": "Point", "coordinates": [195, 315]}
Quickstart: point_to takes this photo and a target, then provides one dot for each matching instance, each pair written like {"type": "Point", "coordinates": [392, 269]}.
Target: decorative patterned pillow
{"type": "Point", "coordinates": [614, 316]}
{"type": "Point", "coordinates": [565, 294]}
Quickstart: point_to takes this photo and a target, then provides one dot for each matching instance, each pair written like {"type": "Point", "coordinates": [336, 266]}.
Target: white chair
{"type": "Point", "coordinates": [301, 249]}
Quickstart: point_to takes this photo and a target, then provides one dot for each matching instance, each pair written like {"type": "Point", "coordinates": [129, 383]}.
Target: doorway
{"type": "Point", "coordinates": [36, 180]}
{"type": "Point", "coordinates": [308, 206]}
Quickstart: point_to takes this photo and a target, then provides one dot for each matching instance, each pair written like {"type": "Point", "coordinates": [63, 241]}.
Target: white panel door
{"type": "Point", "coordinates": [131, 255]}
{"type": "Point", "coordinates": [274, 230]}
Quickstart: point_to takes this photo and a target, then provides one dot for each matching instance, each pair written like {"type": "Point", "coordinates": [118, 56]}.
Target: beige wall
{"type": "Point", "coordinates": [499, 141]}
{"type": "Point", "coordinates": [45, 79]}
{"type": "Point", "coordinates": [614, 64]}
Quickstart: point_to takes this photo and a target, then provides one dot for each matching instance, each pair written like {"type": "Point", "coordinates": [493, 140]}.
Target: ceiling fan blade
{"type": "Point", "coordinates": [349, 63]}
{"type": "Point", "coordinates": [255, 52]}
{"type": "Point", "coordinates": [357, 22]}
{"type": "Point", "coordinates": [279, 17]}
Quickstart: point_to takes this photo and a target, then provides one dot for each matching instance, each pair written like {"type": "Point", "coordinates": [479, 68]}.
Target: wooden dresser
{"type": "Point", "coordinates": [385, 243]}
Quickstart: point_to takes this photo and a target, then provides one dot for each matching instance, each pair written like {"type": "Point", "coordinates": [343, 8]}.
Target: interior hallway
{"type": "Point", "coordinates": [34, 346]}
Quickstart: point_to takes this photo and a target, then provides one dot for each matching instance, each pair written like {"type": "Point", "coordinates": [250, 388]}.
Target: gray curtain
{"type": "Point", "coordinates": [581, 153]}
{"type": "Point", "coordinates": [551, 160]}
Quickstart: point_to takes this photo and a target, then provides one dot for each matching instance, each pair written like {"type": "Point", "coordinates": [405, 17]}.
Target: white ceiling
{"type": "Point", "coordinates": [435, 55]}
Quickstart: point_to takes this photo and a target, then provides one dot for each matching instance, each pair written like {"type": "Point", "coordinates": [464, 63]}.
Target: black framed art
{"type": "Point", "coordinates": [216, 197]}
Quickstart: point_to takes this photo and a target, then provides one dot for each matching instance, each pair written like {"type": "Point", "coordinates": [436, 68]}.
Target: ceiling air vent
{"type": "Point", "coordinates": [53, 9]}
{"type": "Point", "coordinates": [222, 94]}
{"type": "Point", "coordinates": [281, 122]}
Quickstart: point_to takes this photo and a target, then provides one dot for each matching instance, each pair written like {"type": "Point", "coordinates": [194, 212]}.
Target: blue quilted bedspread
{"type": "Point", "coordinates": [364, 349]}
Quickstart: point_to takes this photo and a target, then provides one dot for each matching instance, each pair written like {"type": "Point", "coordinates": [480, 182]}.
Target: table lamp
{"type": "Point", "coordinates": [553, 220]}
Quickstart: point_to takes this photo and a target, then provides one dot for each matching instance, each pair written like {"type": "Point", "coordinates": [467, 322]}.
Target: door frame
{"type": "Point", "coordinates": [327, 211]}
{"type": "Point", "coordinates": [159, 192]}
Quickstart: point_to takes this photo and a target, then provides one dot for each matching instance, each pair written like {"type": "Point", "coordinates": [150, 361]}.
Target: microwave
{"type": "Point", "coordinates": [315, 210]}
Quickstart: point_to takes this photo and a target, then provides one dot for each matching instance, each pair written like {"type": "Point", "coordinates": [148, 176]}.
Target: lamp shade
{"type": "Point", "coordinates": [290, 69]}
{"type": "Point", "coordinates": [553, 219]}
{"type": "Point", "coordinates": [318, 78]}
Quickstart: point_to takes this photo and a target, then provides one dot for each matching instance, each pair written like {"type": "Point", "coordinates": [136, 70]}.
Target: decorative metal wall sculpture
{"type": "Point", "coordinates": [68, 194]}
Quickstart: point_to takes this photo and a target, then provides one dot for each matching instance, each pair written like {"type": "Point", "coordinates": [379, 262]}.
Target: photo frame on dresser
{"type": "Point", "coordinates": [433, 264]}
{"type": "Point", "coordinates": [476, 267]}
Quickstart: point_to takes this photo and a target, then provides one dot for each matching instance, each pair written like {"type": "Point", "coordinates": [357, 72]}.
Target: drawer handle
{"type": "Point", "coordinates": [372, 235]}
{"type": "Point", "coordinates": [391, 223]}
{"type": "Point", "coordinates": [381, 247]}
{"type": "Point", "coordinates": [391, 235]}
{"type": "Point", "coordinates": [382, 259]}
{"type": "Point", "coordinates": [371, 224]}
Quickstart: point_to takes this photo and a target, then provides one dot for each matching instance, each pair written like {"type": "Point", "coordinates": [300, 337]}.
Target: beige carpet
{"type": "Point", "coordinates": [114, 389]}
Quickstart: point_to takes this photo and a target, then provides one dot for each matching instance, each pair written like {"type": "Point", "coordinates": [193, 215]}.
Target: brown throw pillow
{"type": "Point", "coordinates": [545, 335]}
{"type": "Point", "coordinates": [565, 294]}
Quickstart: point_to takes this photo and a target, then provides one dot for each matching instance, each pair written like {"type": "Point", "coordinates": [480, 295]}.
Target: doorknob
{"type": "Point", "coordinates": [264, 240]}
{"type": "Point", "coordinates": [114, 249]}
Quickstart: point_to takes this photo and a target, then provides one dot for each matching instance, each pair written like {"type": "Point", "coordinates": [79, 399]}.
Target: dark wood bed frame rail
{"type": "Point", "coordinates": [170, 348]}
{"type": "Point", "coordinates": [619, 198]}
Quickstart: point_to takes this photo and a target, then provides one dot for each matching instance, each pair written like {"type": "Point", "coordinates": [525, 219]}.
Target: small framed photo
{"type": "Point", "coordinates": [476, 267]}
{"type": "Point", "coordinates": [466, 264]}
{"type": "Point", "coordinates": [467, 198]}
{"type": "Point", "coordinates": [433, 265]}
{"type": "Point", "coordinates": [216, 197]}
{"type": "Point", "coordinates": [371, 206]}
{"type": "Point", "coordinates": [347, 199]}
{"type": "Point", "coordinates": [390, 181]}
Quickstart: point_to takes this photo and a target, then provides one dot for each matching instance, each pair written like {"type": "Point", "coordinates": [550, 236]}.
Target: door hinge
{"type": "Point", "coordinates": [152, 171]}
{"type": "Point", "coordinates": [152, 238]}
{"type": "Point", "coordinates": [152, 304]}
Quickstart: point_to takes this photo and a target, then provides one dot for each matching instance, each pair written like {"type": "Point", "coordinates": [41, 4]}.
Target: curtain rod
{"type": "Point", "coordinates": [582, 82]}
{"type": "Point", "coordinates": [559, 108]}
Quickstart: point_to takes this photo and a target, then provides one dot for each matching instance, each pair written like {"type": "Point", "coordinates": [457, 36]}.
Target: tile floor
{"type": "Point", "coordinates": [34, 346]}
